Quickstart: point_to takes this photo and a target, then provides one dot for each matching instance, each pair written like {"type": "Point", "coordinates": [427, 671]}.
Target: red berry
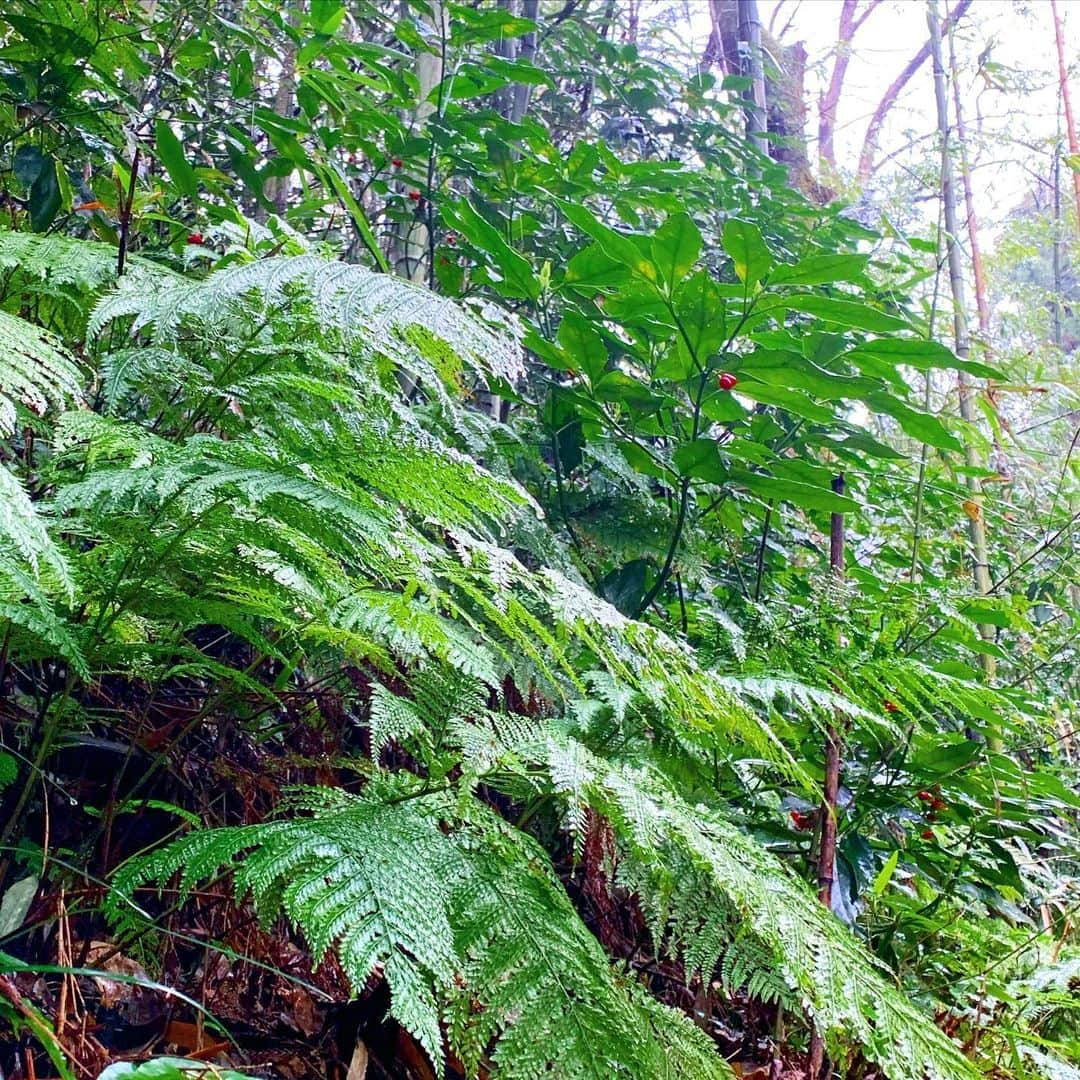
{"type": "Point", "coordinates": [415, 195]}
{"type": "Point", "coordinates": [800, 820]}
{"type": "Point", "coordinates": [451, 239]}
{"type": "Point", "coordinates": [925, 796]}
{"type": "Point", "coordinates": [940, 804]}
{"type": "Point", "coordinates": [195, 238]}
{"type": "Point", "coordinates": [927, 834]}
{"type": "Point", "coordinates": [397, 162]}
{"type": "Point", "coordinates": [352, 159]}
{"type": "Point", "coordinates": [727, 381]}
{"type": "Point", "coordinates": [890, 706]}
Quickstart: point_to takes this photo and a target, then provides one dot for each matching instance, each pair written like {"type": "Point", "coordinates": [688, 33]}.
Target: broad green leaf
{"type": "Point", "coordinates": [849, 314]}
{"type": "Point", "coordinates": [792, 401]}
{"type": "Point", "coordinates": [744, 243]}
{"type": "Point", "coordinates": [617, 386]}
{"type": "Point", "coordinates": [990, 612]}
{"type": "Point", "coordinates": [640, 461]}
{"type": "Point", "coordinates": [171, 152]}
{"type": "Point", "coordinates": [723, 407]}
{"type": "Point", "coordinates": [867, 444]}
{"type": "Point", "coordinates": [619, 247]}
{"type": "Point", "coordinates": [242, 75]}
{"type": "Point", "coordinates": [794, 372]}
{"type": "Point", "coordinates": [820, 270]}
{"type": "Point", "coordinates": [514, 277]}
{"type": "Point", "coordinates": [676, 246]}
{"type": "Point", "coordinates": [44, 196]}
{"type": "Point", "coordinates": [807, 496]}
{"type": "Point", "coordinates": [700, 309]}
{"type": "Point", "coordinates": [920, 354]}
{"type": "Point", "coordinates": [593, 267]}
{"type": "Point", "coordinates": [584, 347]}
{"type": "Point", "coordinates": [27, 164]}
{"type": "Point", "coordinates": [919, 425]}
{"type": "Point", "coordinates": [701, 460]}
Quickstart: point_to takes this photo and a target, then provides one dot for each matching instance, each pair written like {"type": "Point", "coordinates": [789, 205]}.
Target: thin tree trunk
{"type": "Point", "coordinates": [530, 9]}
{"type": "Point", "coordinates": [750, 34]}
{"type": "Point", "coordinates": [1066, 101]}
{"type": "Point", "coordinates": [278, 188]}
{"type": "Point", "coordinates": [413, 257]}
{"type": "Point", "coordinates": [830, 793]}
{"type": "Point", "coordinates": [830, 97]}
{"type": "Point", "coordinates": [974, 508]}
{"type": "Point", "coordinates": [888, 100]}
{"type": "Point", "coordinates": [507, 49]}
{"type": "Point", "coordinates": [981, 304]}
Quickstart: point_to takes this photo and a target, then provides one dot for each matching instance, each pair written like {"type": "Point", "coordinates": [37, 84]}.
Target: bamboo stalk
{"type": "Point", "coordinates": [826, 868]}
{"type": "Point", "coordinates": [974, 508]}
{"type": "Point", "coordinates": [1066, 100]}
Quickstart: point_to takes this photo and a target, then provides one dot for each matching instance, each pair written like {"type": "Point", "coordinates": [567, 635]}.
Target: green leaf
{"type": "Point", "coordinates": [676, 246]}
{"type": "Point", "coordinates": [701, 460]}
{"type": "Point", "coordinates": [338, 184]}
{"type": "Point", "coordinates": [27, 164]}
{"type": "Point", "coordinates": [617, 246]}
{"type": "Point", "coordinates": [920, 354]}
{"type": "Point", "coordinates": [807, 496]}
{"type": "Point", "coordinates": [744, 243]}
{"type": "Point", "coordinates": [700, 309]}
{"type": "Point", "coordinates": [849, 314]}
{"type": "Point", "coordinates": [793, 401]}
{"type": "Point", "coordinates": [242, 75]}
{"type": "Point", "coordinates": [583, 345]}
{"type": "Point", "coordinates": [786, 369]}
{"type": "Point", "coordinates": [515, 277]}
{"type": "Point", "coordinates": [171, 152]}
{"type": "Point", "coordinates": [617, 386]}
{"type": "Point", "coordinates": [593, 267]}
{"type": "Point", "coordinates": [723, 407]}
{"type": "Point", "coordinates": [919, 425]}
{"type": "Point", "coordinates": [44, 197]}
{"type": "Point", "coordinates": [820, 270]}
{"type": "Point", "coordinates": [884, 875]}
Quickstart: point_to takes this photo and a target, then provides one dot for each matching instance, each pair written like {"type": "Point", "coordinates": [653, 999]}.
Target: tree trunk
{"type": "Point", "coordinates": [278, 188]}
{"type": "Point", "coordinates": [754, 68]}
{"type": "Point", "coordinates": [1066, 101]}
{"type": "Point", "coordinates": [850, 21]}
{"type": "Point", "coordinates": [974, 505]}
{"type": "Point", "coordinates": [412, 255]}
{"type": "Point", "coordinates": [888, 100]}
{"type": "Point", "coordinates": [830, 792]}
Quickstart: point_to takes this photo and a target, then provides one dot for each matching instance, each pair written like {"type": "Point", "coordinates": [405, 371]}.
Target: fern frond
{"type": "Point", "coordinates": [466, 922]}
{"type": "Point", "coordinates": [34, 371]}
{"type": "Point", "coordinates": [377, 309]}
{"type": "Point", "coordinates": [694, 868]}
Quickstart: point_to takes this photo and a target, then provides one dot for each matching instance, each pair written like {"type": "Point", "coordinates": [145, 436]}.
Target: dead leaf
{"type": "Point", "coordinates": [358, 1064]}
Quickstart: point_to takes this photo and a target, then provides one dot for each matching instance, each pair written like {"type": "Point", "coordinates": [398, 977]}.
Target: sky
{"type": "Point", "coordinates": [1011, 108]}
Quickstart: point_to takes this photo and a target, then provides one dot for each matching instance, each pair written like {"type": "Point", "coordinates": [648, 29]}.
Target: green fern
{"type": "Point", "coordinates": [463, 917]}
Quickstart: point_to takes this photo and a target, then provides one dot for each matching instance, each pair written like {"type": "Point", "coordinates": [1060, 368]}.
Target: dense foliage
{"type": "Point", "coordinates": [422, 432]}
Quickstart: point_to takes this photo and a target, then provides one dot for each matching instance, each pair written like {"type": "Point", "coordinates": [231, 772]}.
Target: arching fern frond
{"type": "Point", "coordinates": [696, 871]}
{"type": "Point", "coordinates": [464, 918]}
{"type": "Point", "coordinates": [378, 310]}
